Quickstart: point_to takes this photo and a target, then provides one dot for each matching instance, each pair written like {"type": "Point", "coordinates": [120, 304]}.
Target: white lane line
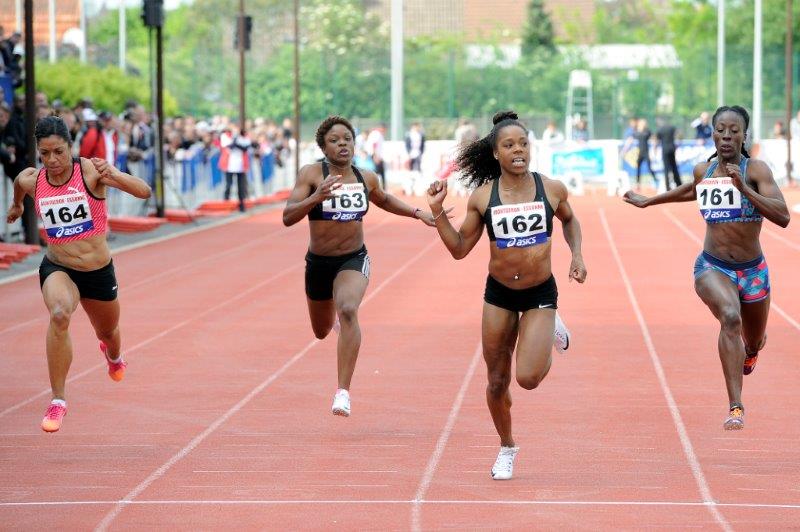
{"type": "Point", "coordinates": [433, 461]}
{"type": "Point", "coordinates": [197, 440]}
{"type": "Point", "coordinates": [306, 502]}
{"type": "Point", "coordinates": [686, 442]}
{"type": "Point", "coordinates": [165, 332]}
{"type": "Point", "coordinates": [699, 242]}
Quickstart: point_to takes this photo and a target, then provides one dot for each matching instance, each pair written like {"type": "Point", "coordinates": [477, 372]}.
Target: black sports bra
{"type": "Point", "coordinates": [349, 204]}
{"type": "Point", "coordinates": [519, 224]}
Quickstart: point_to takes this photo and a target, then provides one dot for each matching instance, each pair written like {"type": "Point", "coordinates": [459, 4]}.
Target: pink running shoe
{"type": "Point", "coordinates": [53, 417]}
{"type": "Point", "coordinates": [116, 370]}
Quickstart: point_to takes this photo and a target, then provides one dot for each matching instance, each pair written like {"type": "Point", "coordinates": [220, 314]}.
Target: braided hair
{"type": "Point", "coordinates": [476, 161]}
{"type": "Point", "coordinates": [739, 111]}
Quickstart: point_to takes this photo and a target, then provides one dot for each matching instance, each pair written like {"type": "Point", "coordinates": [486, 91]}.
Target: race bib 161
{"type": "Point", "coordinates": [719, 199]}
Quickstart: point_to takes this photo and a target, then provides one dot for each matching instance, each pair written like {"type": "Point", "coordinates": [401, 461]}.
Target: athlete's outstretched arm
{"type": "Point", "coordinates": [768, 199]}
{"type": "Point", "coordinates": [98, 170]}
{"type": "Point", "coordinates": [460, 242]}
{"type": "Point", "coordinates": [302, 199]}
{"type": "Point", "coordinates": [572, 234]}
{"type": "Point", "coordinates": [24, 183]}
{"type": "Point", "coordinates": [684, 192]}
{"type": "Point", "coordinates": [393, 204]}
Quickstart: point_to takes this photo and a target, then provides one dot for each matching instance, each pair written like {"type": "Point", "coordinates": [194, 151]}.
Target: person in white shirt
{"type": "Point", "coordinates": [235, 162]}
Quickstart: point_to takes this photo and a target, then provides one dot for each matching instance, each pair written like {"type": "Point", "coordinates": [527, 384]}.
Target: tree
{"type": "Point", "coordinates": [537, 33]}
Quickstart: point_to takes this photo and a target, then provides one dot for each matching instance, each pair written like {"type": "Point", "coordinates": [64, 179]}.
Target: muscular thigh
{"type": "Point", "coordinates": [499, 336]}
{"type": "Point", "coordinates": [59, 292]}
{"type": "Point", "coordinates": [535, 345]}
{"type": "Point", "coordinates": [349, 288]}
{"type": "Point", "coordinates": [717, 291]}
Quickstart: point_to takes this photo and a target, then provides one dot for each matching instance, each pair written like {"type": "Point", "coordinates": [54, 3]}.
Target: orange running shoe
{"type": "Point", "coordinates": [750, 360]}
{"type": "Point", "coordinates": [735, 420]}
{"type": "Point", "coordinates": [116, 370]}
{"type": "Point", "coordinates": [53, 417]}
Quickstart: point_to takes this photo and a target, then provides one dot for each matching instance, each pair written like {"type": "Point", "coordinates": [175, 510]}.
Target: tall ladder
{"type": "Point", "coordinates": [579, 102]}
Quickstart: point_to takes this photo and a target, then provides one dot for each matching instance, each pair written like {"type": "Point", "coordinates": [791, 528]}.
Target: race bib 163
{"type": "Point", "coordinates": [348, 204]}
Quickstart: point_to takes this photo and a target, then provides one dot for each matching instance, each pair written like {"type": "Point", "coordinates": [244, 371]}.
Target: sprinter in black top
{"type": "Point", "coordinates": [517, 209]}
{"type": "Point", "coordinates": [335, 196]}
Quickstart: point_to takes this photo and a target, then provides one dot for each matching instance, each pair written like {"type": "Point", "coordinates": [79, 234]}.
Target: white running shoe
{"type": "Point", "coordinates": [341, 403]}
{"type": "Point", "coordinates": [560, 335]}
{"type": "Point", "coordinates": [503, 468]}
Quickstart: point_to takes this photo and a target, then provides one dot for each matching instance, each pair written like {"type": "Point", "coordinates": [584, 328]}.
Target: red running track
{"type": "Point", "coordinates": [223, 420]}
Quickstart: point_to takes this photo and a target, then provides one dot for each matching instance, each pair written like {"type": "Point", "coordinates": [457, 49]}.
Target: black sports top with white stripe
{"type": "Point", "coordinates": [349, 203]}
{"type": "Point", "coordinates": [519, 224]}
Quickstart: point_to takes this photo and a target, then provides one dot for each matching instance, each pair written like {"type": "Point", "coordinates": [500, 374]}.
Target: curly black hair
{"type": "Point", "coordinates": [52, 125]}
{"type": "Point", "coordinates": [326, 126]}
{"type": "Point", "coordinates": [742, 112]}
{"type": "Point", "coordinates": [476, 160]}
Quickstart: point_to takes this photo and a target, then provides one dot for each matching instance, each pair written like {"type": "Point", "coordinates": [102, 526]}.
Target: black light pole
{"type": "Point", "coordinates": [29, 216]}
{"type": "Point", "coordinates": [153, 18]}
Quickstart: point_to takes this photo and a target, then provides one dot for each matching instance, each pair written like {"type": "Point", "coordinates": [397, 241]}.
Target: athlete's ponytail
{"type": "Point", "coordinates": [739, 110]}
{"type": "Point", "coordinates": [476, 160]}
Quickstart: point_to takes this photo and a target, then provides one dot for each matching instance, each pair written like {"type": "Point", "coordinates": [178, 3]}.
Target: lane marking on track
{"type": "Point", "coordinates": [197, 440]}
{"type": "Point", "coordinates": [688, 232]}
{"type": "Point", "coordinates": [165, 332]}
{"type": "Point", "coordinates": [441, 443]}
{"type": "Point", "coordinates": [780, 238]}
{"type": "Point", "coordinates": [677, 420]}
{"type": "Point", "coordinates": [306, 502]}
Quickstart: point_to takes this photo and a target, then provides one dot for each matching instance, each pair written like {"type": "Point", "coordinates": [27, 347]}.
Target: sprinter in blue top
{"type": "Point", "coordinates": [734, 194]}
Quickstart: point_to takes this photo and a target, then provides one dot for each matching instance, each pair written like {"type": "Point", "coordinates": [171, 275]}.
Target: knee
{"type": "Point", "coordinates": [348, 312]}
{"type": "Point", "coordinates": [60, 317]}
{"type": "Point", "coordinates": [497, 386]}
{"type": "Point", "coordinates": [321, 332]}
{"type": "Point", "coordinates": [529, 382]}
{"type": "Point", "coordinates": [731, 320]}
{"type": "Point", "coordinates": [106, 335]}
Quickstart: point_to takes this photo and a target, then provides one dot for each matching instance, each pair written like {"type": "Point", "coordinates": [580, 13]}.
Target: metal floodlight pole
{"type": "Point", "coordinates": [123, 23]}
{"type": "Point", "coordinates": [297, 85]}
{"type": "Point", "coordinates": [18, 15]}
{"type": "Point", "coordinates": [51, 16]}
{"type": "Point", "coordinates": [757, 52]}
{"type": "Point", "coordinates": [159, 130]}
{"type": "Point", "coordinates": [720, 53]}
{"type": "Point", "coordinates": [789, 82]}
{"type": "Point", "coordinates": [83, 31]}
{"type": "Point", "coordinates": [397, 70]}
{"type": "Point", "coordinates": [241, 47]}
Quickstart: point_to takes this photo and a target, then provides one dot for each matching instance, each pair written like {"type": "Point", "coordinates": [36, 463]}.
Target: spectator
{"type": "Point", "coordinates": [666, 136]}
{"type": "Point", "coordinates": [551, 135]}
{"type": "Point", "coordinates": [92, 143]}
{"type": "Point", "coordinates": [466, 133]}
{"type": "Point", "coordinates": [235, 162]}
{"type": "Point", "coordinates": [702, 127]}
{"type": "Point", "coordinates": [794, 127]}
{"type": "Point", "coordinates": [415, 147]}
{"type": "Point", "coordinates": [580, 132]}
{"type": "Point", "coordinates": [778, 130]}
{"type": "Point", "coordinates": [643, 135]}
{"type": "Point", "coordinates": [374, 148]}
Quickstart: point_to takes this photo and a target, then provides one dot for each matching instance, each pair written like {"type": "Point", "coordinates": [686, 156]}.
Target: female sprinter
{"type": "Point", "coordinates": [521, 299]}
{"type": "Point", "coordinates": [734, 194]}
{"type": "Point", "coordinates": [69, 195]}
{"type": "Point", "coordinates": [335, 196]}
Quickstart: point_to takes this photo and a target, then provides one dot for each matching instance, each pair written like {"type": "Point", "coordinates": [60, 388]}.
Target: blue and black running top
{"type": "Point", "coordinates": [349, 204]}
{"type": "Point", "coordinates": [721, 202]}
{"type": "Point", "coordinates": [519, 224]}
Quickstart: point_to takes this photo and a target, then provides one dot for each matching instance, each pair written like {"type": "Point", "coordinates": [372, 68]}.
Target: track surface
{"type": "Point", "coordinates": [223, 419]}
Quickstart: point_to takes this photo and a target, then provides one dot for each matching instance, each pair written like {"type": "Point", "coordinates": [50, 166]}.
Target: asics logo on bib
{"type": "Point", "coordinates": [521, 242]}
{"type": "Point", "coordinates": [346, 216]}
{"type": "Point", "coordinates": [69, 231]}
{"type": "Point", "coordinates": [716, 215]}
{"type": "Point", "coordinates": [511, 242]}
